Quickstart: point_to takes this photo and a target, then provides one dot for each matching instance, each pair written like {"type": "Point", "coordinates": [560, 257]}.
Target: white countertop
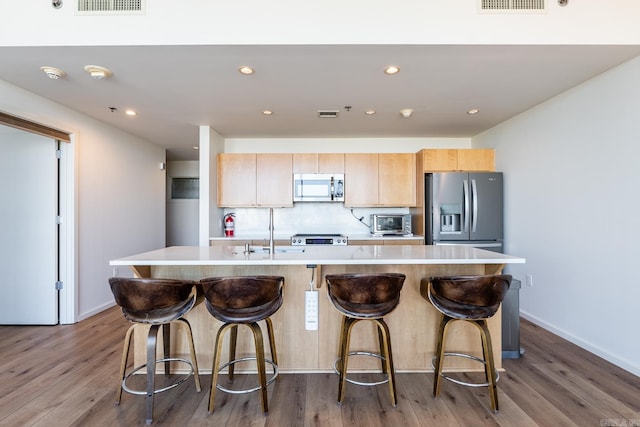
{"type": "Point", "coordinates": [323, 255]}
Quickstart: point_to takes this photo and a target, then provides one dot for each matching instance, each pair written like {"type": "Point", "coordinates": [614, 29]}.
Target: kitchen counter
{"type": "Point", "coordinates": [325, 255]}
{"type": "Point", "coordinates": [413, 324]}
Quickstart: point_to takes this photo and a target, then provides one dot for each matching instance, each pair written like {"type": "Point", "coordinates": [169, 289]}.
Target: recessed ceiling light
{"type": "Point", "coordinates": [267, 112]}
{"type": "Point", "coordinates": [53, 73]}
{"type": "Point", "coordinates": [131, 113]}
{"type": "Point", "coordinates": [392, 69]}
{"type": "Point", "coordinates": [98, 72]}
{"type": "Point", "coordinates": [370, 112]}
{"type": "Point", "coordinates": [245, 69]}
{"type": "Point", "coordinates": [473, 111]}
{"type": "Point", "coordinates": [406, 113]}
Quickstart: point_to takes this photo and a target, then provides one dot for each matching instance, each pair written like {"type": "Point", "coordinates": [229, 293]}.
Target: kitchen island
{"type": "Point", "coordinates": [413, 324]}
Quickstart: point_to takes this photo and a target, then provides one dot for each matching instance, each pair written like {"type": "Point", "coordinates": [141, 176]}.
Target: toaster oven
{"type": "Point", "coordinates": [390, 225]}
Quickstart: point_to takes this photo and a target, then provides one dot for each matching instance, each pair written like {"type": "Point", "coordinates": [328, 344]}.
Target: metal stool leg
{"type": "Point", "coordinates": [152, 338]}
{"type": "Point", "coordinates": [166, 347]}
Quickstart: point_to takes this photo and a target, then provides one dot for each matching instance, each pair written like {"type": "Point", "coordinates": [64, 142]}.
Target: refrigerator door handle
{"type": "Point", "coordinates": [465, 189]}
{"type": "Point", "coordinates": [474, 203]}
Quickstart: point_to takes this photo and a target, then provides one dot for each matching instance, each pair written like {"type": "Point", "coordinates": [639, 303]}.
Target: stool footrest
{"type": "Point", "coordinates": [466, 356]}
{"type": "Point", "coordinates": [160, 390]}
{"type": "Point", "coordinates": [248, 390]}
{"type": "Point", "coordinates": [362, 353]}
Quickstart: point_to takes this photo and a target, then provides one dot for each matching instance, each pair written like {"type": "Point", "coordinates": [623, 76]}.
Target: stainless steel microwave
{"type": "Point", "coordinates": [318, 187]}
{"type": "Point", "coordinates": [390, 224]}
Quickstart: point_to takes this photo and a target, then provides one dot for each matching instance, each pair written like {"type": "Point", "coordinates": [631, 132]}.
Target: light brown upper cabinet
{"type": "Point", "coordinates": [318, 163]}
{"type": "Point", "coordinates": [446, 160]}
{"type": "Point", "coordinates": [236, 180]}
{"type": "Point", "coordinates": [380, 179]}
{"type": "Point", "coordinates": [246, 180]}
{"type": "Point", "coordinates": [274, 186]}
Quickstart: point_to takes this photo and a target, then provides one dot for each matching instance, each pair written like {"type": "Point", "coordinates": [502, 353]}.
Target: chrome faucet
{"type": "Point", "coordinates": [271, 242]}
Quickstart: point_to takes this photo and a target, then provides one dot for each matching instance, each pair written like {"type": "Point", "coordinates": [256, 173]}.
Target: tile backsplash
{"type": "Point", "coordinates": [306, 218]}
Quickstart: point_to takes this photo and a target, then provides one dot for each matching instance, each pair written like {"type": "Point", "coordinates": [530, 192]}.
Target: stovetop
{"type": "Point", "coordinates": [318, 239]}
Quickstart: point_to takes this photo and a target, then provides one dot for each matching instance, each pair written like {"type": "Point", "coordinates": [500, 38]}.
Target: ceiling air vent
{"type": "Point", "coordinates": [111, 7]}
{"type": "Point", "coordinates": [328, 113]}
{"type": "Point", "coordinates": [512, 6]}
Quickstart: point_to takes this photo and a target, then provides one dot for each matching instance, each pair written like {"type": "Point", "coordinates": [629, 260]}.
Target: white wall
{"type": "Point", "coordinates": [571, 203]}
{"type": "Point", "coordinates": [120, 193]}
{"type": "Point", "coordinates": [211, 143]}
{"type": "Point", "coordinates": [326, 22]}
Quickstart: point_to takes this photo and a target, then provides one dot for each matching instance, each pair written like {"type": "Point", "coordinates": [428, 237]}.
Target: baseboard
{"type": "Point", "coordinates": [95, 311]}
{"type": "Point", "coordinates": [609, 357]}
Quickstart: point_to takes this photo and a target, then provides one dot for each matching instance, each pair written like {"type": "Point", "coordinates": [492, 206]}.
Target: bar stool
{"type": "Point", "coordinates": [473, 299]}
{"type": "Point", "coordinates": [365, 297]}
{"type": "Point", "coordinates": [238, 301]}
{"type": "Point", "coordinates": [155, 303]}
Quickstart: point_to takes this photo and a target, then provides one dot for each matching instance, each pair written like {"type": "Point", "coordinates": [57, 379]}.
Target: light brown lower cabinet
{"type": "Point", "coordinates": [386, 242]}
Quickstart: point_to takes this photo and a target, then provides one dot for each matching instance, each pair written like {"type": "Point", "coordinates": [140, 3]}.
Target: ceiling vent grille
{"type": "Point", "coordinates": [332, 114]}
{"type": "Point", "coordinates": [111, 7]}
{"type": "Point", "coordinates": [512, 6]}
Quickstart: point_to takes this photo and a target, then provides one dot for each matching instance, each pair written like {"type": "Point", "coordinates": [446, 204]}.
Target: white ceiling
{"type": "Point", "coordinates": [175, 89]}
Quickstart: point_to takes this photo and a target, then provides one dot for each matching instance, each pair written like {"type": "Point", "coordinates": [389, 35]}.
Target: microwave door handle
{"type": "Point", "coordinates": [332, 189]}
{"type": "Point", "coordinates": [474, 204]}
{"type": "Point", "coordinates": [465, 196]}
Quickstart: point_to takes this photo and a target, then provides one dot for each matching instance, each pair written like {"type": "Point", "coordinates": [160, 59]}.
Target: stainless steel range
{"type": "Point", "coordinates": [318, 239]}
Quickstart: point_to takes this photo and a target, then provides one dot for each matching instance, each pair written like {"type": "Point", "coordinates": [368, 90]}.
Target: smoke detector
{"type": "Point", "coordinates": [406, 113]}
{"type": "Point", "coordinates": [98, 72]}
{"type": "Point", "coordinates": [53, 73]}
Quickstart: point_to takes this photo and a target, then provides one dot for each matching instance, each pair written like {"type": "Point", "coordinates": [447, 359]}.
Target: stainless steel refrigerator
{"type": "Point", "coordinates": [464, 208]}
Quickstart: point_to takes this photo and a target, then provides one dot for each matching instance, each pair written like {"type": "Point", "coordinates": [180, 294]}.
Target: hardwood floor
{"type": "Point", "coordinates": [66, 376]}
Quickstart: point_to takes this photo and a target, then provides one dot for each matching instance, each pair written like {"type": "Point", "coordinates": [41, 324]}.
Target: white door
{"type": "Point", "coordinates": [28, 229]}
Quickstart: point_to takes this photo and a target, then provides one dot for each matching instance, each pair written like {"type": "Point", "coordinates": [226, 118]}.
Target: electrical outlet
{"type": "Point", "coordinates": [529, 280]}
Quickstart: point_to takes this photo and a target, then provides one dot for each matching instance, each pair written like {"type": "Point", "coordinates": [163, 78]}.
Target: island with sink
{"type": "Point", "coordinates": [413, 324]}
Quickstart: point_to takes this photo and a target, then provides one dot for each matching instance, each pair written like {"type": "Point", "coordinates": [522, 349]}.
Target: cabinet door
{"type": "Point", "coordinates": [236, 180]}
{"type": "Point", "coordinates": [274, 180]}
{"type": "Point", "coordinates": [305, 163]}
{"type": "Point", "coordinates": [397, 179]}
{"type": "Point", "coordinates": [331, 163]}
{"type": "Point", "coordinates": [318, 163]}
{"type": "Point", "coordinates": [361, 179]}
{"type": "Point", "coordinates": [440, 160]}
{"type": "Point", "coordinates": [476, 160]}
{"type": "Point", "coordinates": [453, 160]}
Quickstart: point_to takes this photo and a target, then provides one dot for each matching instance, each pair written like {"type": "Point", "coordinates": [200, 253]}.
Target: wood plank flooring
{"type": "Point", "coordinates": [66, 376]}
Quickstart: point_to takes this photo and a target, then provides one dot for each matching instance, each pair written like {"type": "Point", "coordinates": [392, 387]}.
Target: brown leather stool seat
{"type": "Point", "coordinates": [243, 300]}
{"type": "Point", "coordinates": [473, 299]}
{"type": "Point", "coordinates": [365, 297]}
{"type": "Point", "coordinates": [158, 303]}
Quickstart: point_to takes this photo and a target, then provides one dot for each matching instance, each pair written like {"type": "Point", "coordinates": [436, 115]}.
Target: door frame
{"type": "Point", "coordinates": [67, 252]}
